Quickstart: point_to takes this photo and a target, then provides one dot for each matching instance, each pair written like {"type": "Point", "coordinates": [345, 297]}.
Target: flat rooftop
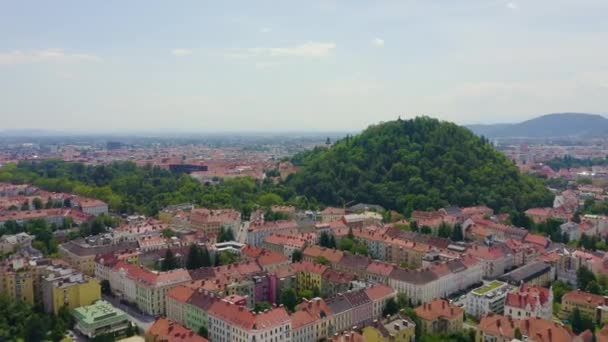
{"type": "Point", "coordinates": [489, 287]}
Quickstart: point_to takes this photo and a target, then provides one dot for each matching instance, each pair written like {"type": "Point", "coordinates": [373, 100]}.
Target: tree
{"type": "Point", "coordinates": [402, 301]}
{"type": "Point", "coordinates": [559, 289]}
{"type": "Point", "coordinates": [346, 244]}
{"type": "Point", "coordinates": [444, 230]}
{"type": "Point", "coordinates": [269, 199]}
{"type": "Point", "coordinates": [390, 308]}
{"type": "Point", "coordinates": [37, 203]}
{"type": "Point", "coordinates": [170, 261]}
{"type": "Point", "coordinates": [296, 255]}
{"type": "Point", "coordinates": [584, 276]}
{"type": "Point", "coordinates": [34, 328]}
{"type": "Point", "coordinates": [168, 233]}
{"type": "Point", "coordinates": [25, 205]}
{"type": "Point", "coordinates": [426, 230]}
{"type": "Point", "coordinates": [203, 332]}
{"type": "Point", "coordinates": [580, 322]}
{"type": "Point", "coordinates": [195, 257]}
{"type": "Point", "coordinates": [289, 299]}
{"type": "Point", "coordinates": [205, 257]}
{"type": "Point", "coordinates": [225, 235]}
{"type": "Point", "coordinates": [261, 306]}
{"type": "Point", "coordinates": [594, 287]}
{"type": "Point", "coordinates": [227, 258]}
{"type": "Point", "coordinates": [308, 294]}
{"type": "Point", "coordinates": [321, 260]}
{"type": "Point", "coordinates": [517, 334]}
{"type": "Point", "coordinates": [324, 239]}
{"type": "Point", "coordinates": [457, 233]}
{"type": "Point", "coordinates": [105, 287]}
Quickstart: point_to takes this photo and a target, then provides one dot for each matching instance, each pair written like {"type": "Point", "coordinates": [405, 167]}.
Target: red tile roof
{"type": "Point", "coordinates": [537, 329]}
{"type": "Point", "coordinates": [169, 331]}
{"type": "Point", "coordinates": [587, 298]}
{"type": "Point", "coordinates": [180, 293]}
{"type": "Point", "coordinates": [379, 291]}
{"type": "Point", "coordinates": [247, 320]}
{"type": "Point", "coordinates": [438, 308]}
{"type": "Point", "coordinates": [525, 295]}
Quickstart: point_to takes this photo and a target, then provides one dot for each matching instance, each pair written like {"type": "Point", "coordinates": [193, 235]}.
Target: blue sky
{"type": "Point", "coordinates": [296, 65]}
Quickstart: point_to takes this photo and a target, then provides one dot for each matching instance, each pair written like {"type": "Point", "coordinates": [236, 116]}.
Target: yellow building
{"type": "Point", "coordinates": [81, 255]}
{"type": "Point", "coordinates": [591, 305]}
{"type": "Point", "coordinates": [398, 329]}
{"type": "Point", "coordinates": [20, 278]}
{"type": "Point", "coordinates": [66, 287]}
{"type": "Point", "coordinates": [308, 275]}
{"type": "Point", "coordinates": [371, 334]}
{"type": "Point", "coordinates": [17, 282]}
{"type": "Point", "coordinates": [440, 316]}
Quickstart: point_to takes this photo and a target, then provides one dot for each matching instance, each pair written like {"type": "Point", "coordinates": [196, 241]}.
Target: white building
{"type": "Point", "coordinates": [233, 323]}
{"type": "Point", "coordinates": [529, 301]}
{"type": "Point", "coordinates": [486, 299]}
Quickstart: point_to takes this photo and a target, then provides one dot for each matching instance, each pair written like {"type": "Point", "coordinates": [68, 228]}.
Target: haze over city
{"type": "Point", "coordinates": [304, 66]}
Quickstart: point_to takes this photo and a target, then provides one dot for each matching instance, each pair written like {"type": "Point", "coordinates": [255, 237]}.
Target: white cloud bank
{"type": "Point", "coordinates": [305, 50]}
{"type": "Point", "coordinates": [50, 55]}
{"type": "Point", "coordinates": [181, 52]}
{"type": "Point", "coordinates": [378, 42]}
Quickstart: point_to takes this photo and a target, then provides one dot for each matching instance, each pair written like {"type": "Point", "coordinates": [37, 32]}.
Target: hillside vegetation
{"type": "Point", "coordinates": [416, 164]}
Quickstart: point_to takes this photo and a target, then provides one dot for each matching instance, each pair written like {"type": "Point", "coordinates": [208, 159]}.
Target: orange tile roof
{"type": "Point", "coordinates": [288, 240]}
{"type": "Point", "coordinates": [536, 239]}
{"type": "Point", "coordinates": [166, 330]}
{"type": "Point", "coordinates": [300, 319]}
{"type": "Point", "coordinates": [247, 320]}
{"type": "Point", "coordinates": [536, 329]}
{"type": "Point", "coordinates": [309, 267]}
{"type": "Point", "coordinates": [528, 295]}
{"type": "Point", "coordinates": [272, 258]}
{"type": "Point", "coordinates": [438, 308]}
{"type": "Point", "coordinates": [379, 291]}
{"type": "Point", "coordinates": [333, 255]}
{"type": "Point", "coordinates": [581, 297]}
{"type": "Point", "coordinates": [180, 293]}
{"type": "Point", "coordinates": [381, 268]}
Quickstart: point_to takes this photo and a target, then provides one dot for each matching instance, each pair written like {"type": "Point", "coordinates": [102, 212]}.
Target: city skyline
{"type": "Point", "coordinates": [335, 66]}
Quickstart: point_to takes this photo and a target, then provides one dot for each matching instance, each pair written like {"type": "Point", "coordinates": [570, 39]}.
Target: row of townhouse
{"type": "Point", "coordinates": [314, 319]}
{"type": "Point", "coordinates": [438, 281]}
{"type": "Point", "coordinates": [257, 232]}
{"type": "Point", "coordinates": [504, 328]}
{"type": "Point", "coordinates": [145, 288]}
{"type": "Point", "coordinates": [288, 244]}
{"type": "Point", "coordinates": [317, 319]}
{"type": "Point", "coordinates": [211, 221]}
{"type": "Point", "coordinates": [81, 253]}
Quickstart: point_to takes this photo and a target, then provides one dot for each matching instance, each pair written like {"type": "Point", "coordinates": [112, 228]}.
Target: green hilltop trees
{"type": "Point", "coordinates": [416, 164]}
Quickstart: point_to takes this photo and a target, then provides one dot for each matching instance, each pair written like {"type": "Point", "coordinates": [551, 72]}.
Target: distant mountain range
{"type": "Point", "coordinates": [548, 126]}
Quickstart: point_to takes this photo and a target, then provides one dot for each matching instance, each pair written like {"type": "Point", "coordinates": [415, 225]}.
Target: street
{"type": "Point", "coordinates": [142, 320]}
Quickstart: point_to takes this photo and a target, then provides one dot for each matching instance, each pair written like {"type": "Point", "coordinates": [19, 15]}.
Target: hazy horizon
{"type": "Point", "coordinates": [277, 67]}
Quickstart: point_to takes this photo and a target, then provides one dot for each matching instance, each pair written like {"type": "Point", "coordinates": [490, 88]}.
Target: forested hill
{"type": "Point", "coordinates": [416, 164]}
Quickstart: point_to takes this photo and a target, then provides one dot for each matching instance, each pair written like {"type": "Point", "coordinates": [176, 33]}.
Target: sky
{"type": "Point", "coordinates": [318, 65]}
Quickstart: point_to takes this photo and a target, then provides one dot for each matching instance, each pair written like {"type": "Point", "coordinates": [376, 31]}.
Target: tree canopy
{"type": "Point", "coordinates": [416, 164]}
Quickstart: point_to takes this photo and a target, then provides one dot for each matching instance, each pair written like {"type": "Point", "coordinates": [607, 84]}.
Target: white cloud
{"type": "Point", "coordinates": [512, 6]}
{"type": "Point", "coordinates": [265, 29]}
{"type": "Point", "coordinates": [181, 52]}
{"type": "Point", "coordinates": [378, 42]}
{"type": "Point", "coordinates": [50, 55]}
{"type": "Point", "coordinates": [307, 50]}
